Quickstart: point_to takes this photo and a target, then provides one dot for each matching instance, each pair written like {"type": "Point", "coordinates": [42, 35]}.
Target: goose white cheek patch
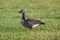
{"type": "Point", "coordinates": [35, 25]}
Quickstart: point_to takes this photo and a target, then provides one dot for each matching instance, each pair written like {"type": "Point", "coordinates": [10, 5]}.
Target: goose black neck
{"type": "Point", "coordinates": [23, 16]}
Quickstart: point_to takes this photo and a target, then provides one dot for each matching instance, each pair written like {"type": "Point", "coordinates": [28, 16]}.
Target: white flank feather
{"type": "Point", "coordinates": [35, 25]}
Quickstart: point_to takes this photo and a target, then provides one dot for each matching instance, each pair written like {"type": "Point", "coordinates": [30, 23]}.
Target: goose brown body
{"type": "Point", "coordinates": [29, 23]}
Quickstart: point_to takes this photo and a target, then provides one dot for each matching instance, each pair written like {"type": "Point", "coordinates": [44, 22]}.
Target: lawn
{"type": "Point", "coordinates": [47, 11]}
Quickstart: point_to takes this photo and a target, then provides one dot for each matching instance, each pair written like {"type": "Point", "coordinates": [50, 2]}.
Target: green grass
{"type": "Point", "coordinates": [47, 11]}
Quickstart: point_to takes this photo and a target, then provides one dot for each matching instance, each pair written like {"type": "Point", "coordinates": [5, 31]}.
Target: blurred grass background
{"type": "Point", "coordinates": [47, 11]}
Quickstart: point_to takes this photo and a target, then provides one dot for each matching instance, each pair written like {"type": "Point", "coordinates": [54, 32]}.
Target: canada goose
{"type": "Point", "coordinates": [29, 23]}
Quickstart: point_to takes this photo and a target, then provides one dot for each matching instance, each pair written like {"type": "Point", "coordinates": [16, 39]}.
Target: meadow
{"type": "Point", "coordinates": [47, 11]}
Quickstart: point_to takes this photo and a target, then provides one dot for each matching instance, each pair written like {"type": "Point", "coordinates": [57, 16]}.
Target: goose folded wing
{"type": "Point", "coordinates": [33, 22]}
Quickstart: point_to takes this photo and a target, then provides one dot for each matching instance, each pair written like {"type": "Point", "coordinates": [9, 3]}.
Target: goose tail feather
{"type": "Point", "coordinates": [43, 23]}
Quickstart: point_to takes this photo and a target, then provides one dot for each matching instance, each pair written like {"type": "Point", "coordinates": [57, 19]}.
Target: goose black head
{"type": "Point", "coordinates": [22, 11]}
{"type": "Point", "coordinates": [23, 14]}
